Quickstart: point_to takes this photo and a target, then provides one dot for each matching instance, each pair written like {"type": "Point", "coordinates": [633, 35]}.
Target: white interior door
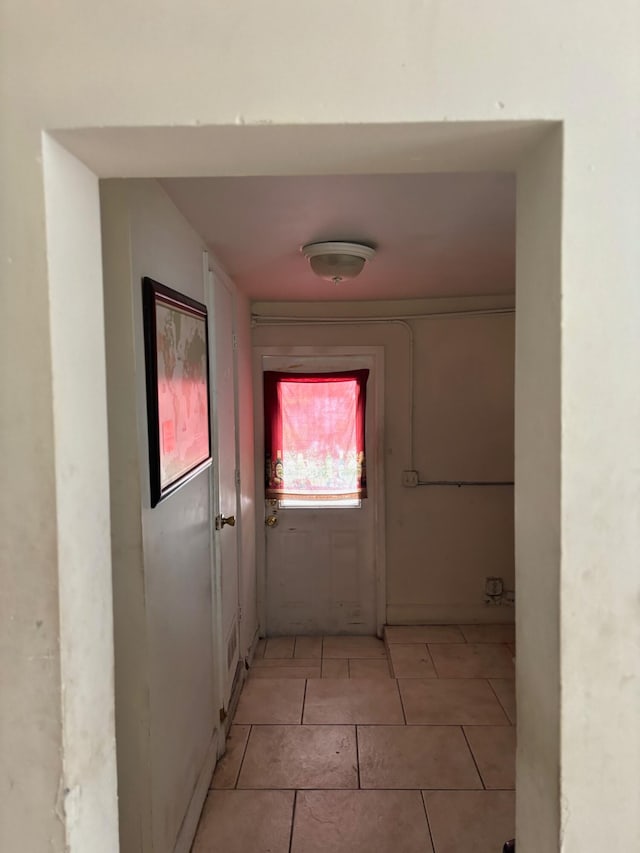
{"type": "Point", "coordinates": [226, 541]}
{"type": "Point", "coordinates": [321, 564]}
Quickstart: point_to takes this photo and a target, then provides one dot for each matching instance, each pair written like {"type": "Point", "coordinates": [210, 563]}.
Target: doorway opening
{"type": "Point", "coordinates": [538, 161]}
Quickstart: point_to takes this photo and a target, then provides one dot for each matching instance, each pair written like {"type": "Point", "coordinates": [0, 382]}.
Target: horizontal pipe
{"type": "Point", "coordinates": [459, 483]}
{"type": "Point", "coordinates": [276, 320]}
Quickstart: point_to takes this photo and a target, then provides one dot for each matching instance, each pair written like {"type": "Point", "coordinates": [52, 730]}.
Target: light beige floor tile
{"type": "Point", "coordinates": [354, 700]}
{"type": "Point", "coordinates": [271, 700]}
{"type": "Point", "coordinates": [411, 661]}
{"type": "Point", "coordinates": [280, 647]}
{"type": "Point", "coordinates": [505, 689]}
{"type": "Point", "coordinates": [260, 647]}
{"type": "Point", "coordinates": [489, 633]}
{"type": "Point", "coordinates": [335, 668]}
{"type": "Point", "coordinates": [470, 821]}
{"type": "Point", "coordinates": [353, 647]}
{"type": "Point", "coordinates": [245, 822]}
{"type": "Point", "coordinates": [300, 757]}
{"type": "Point", "coordinates": [472, 660]}
{"type": "Point", "coordinates": [308, 647]}
{"type": "Point", "coordinates": [439, 701]}
{"type": "Point", "coordinates": [369, 668]}
{"type": "Point", "coordinates": [227, 769]}
{"type": "Point", "coordinates": [423, 634]}
{"type": "Point", "coordinates": [494, 749]}
{"type": "Point", "coordinates": [415, 757]}
{"type": "Point", "coordinates": [306, 671]}
{"type": "Point", "coordinates": [360, 822]}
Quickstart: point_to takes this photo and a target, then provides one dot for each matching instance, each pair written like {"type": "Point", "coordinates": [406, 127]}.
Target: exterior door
{"type": "Point", "coordinates": [225, 542]}
{"type": "Point", "coordinates": [321, 562]}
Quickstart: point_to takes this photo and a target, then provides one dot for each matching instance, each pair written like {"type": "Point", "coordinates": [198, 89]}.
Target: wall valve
{"type": "Point", "coordinates": [410, 479]}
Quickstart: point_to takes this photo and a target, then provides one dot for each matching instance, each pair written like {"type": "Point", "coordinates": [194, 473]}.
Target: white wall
{"type": "Point", "coordinates": [441, 542]}
{"type": "Point", "coordinates": [254, 69]}
{"type": "Point", "coordinates": [538, 423]}
{"type": "Point", "coordinates": [165, 700]}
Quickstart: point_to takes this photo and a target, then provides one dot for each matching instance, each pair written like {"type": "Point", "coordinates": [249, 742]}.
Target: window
{"type": "Point", "coordinates": [314, 438]}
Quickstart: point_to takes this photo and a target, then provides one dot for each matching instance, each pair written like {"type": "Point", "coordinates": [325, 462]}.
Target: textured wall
{"type": "Point", "coordinates": [254, 66]}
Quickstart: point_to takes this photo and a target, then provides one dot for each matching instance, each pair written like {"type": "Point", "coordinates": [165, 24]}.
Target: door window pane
{"type": "Point", "coordinates": [314, 437]}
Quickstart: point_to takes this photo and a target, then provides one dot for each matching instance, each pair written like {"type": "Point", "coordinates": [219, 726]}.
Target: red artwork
{"type": "Point", "coordinates": [177, 388]}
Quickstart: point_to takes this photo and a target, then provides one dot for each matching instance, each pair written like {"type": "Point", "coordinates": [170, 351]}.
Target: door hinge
{"type": "Point", "coordinates": [237, 476]}
{"type": "Point", "coordinates": [223, 714]}
{"type": "Point", "coordinates": [239, 614]}
{"type": "Point", "coordinates": [234, 339]}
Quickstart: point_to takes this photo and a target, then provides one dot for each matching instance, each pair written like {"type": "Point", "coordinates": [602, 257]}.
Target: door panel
{"type": "Point", "coordinates": [289, 589]}
{"type": "Point", "coordinates": [320, 572]}
{"type": "Point", "coordinates": [345, 567]}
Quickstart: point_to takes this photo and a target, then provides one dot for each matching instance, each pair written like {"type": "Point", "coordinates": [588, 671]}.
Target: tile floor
{"type": "Point", "coordinates": [352, 745]}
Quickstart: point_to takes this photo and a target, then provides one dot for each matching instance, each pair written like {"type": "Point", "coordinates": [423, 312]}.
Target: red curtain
{"type": "Point", "coordinates": [314, 435]}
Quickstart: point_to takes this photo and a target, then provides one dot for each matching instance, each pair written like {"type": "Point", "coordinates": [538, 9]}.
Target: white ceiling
{"type": "Point", "coordinates": [436, 234]}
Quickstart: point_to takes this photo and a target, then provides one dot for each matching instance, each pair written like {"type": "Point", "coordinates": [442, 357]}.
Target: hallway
{"type": "Point", "coordinates": [351, 745]}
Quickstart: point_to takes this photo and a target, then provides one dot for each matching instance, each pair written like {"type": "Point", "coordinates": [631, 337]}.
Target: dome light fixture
{"type": "Point", "coordinates": [336, 261]}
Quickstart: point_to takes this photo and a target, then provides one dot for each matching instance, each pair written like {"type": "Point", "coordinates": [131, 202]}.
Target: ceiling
{"type": "Point", "coordinates": [440, 234]}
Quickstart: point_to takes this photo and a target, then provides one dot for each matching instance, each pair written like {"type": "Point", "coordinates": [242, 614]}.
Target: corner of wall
{"type": "Point", "coordinates": [130, 639]}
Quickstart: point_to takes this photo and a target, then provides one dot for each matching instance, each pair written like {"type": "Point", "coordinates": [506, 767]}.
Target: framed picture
{"type": "Point", "coordinates": [177, 369]}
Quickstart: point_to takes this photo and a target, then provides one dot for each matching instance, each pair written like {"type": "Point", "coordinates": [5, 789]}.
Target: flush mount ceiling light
{"type": "Point", "coordinates": [337, 261]}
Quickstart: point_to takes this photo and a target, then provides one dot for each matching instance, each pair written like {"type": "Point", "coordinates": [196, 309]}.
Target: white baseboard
{"type": "Point", "coordinates": [194, 810]}
{"type": "Point", "coordinates": [448, 614]}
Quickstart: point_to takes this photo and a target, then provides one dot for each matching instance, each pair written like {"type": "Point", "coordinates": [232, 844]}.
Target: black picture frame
{"type": "Point", "coordinates": [176, 340]}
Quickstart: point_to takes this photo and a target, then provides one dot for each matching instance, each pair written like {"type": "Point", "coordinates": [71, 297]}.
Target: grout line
{"type": "Point", "coordinates": [387, 647]}
{"type": "Point", "coordinates": [293, 817]}
{"type": "Point", "coordinates": [295, 643]}
{"type": "Point", "coordinates": [382, 725]}
{"type": "Point", "coordinates": [358, 756]}
{"type": "Point", "coordinates": [304, 699]}
{"type": "Point", "coordinates": [452, 790]}
{"type": "Point", "coordinates": [464, 735]}
{"type": "Point", "coordinates": [259, 789]}
{"type": "Point", "coordinates": [244, 752]}
{"type": "Point", "coordinates": [433, 663]}
{"type": "Point", "coordinates": [455, 677]}
{"type": "Point", "coordinates": [493, 690]}
{"type": "Point", "coordinates": [426, 814]}
{"type": "Point", "coordinates": [404, 713]}
{"type": "Point", "coordinates": [392, 668]}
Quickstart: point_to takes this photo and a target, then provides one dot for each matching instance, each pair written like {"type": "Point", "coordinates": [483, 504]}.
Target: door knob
{"type": "Point", "coordinates": [271, 520]}
{"type": "Point", "coordinates": [221, 520]}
